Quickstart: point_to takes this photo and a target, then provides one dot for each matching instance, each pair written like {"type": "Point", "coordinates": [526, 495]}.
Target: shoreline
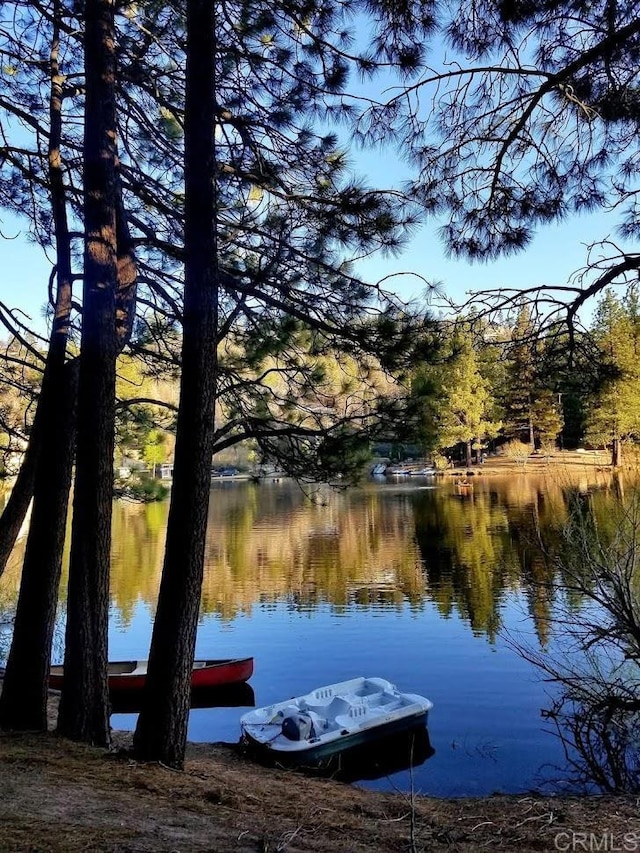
{"type": "Point", "coordinates": [61, 797]}
{"type": "Point", "coordinates": [57, 796]}
{"type": "Point", "coordinates": [536, 463]}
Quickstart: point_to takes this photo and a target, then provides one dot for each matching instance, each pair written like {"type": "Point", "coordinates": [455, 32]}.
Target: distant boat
{"type": "Point", "coordinates": [333, 718]}
{"type": "Point", "coordinates": [228, 472]}
{"type": "Point", "coordinates": [126, 676]}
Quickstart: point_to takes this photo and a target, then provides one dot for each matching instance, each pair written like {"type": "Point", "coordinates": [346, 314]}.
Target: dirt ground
{"type": "Point", "coordinates": [61, 797]}
{"type": "Point", "coordinates": [564, 461]}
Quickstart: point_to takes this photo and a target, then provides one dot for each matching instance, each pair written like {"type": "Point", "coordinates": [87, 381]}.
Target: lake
{"type": "Point", "coordinates": [414, 580]}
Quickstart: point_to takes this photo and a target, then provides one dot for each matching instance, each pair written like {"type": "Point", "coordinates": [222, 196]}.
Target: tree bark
{"type": "Point", "coordinates": [161, 733]}
{"type": "Point", "coordinates": [532, 435]}
{"type": "Point", "coordinates": [469, 454]}
{"type": "Point", "coordinates": [616, 453]}
{"type": "Point", "coordinates": [127, 272]}
{"type": "Point", "coordinates": [23, 703]}
{"type": "Point", "coordinates": [84, 705]}
{"type": "Point", "coordinates": [15, 511]}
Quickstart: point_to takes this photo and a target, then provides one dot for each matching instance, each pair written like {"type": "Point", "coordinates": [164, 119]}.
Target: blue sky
{"type": "Point", "coordinates": [555, 253]}
{"type": "Point", "coordinates": [25, 272]}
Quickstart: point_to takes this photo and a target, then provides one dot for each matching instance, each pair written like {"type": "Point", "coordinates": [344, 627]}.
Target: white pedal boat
{"type": "Point", "coordinates": [332, 718]}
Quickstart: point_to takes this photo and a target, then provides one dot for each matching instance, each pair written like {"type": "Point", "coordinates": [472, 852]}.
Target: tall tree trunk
{"type": "Point", "coordinates": [469, 454]}
{"type": "Point", "coordinates": [161, 733]}
{"type": "Point", "coordinates": [616, 453]}
{"type": "Point", "coordinates": [23, 704]}
{"type": "Point", "coordinates": [618, 485]}
{"type": "Point", "coordinates": [84, 705]}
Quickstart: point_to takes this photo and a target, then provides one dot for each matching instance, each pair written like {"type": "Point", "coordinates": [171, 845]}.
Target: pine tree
{"type": "Point", "coordinates": [531, 406]}
{"type": "Point", "coordinates": [459, 408]}
{"type": "Point", "coordinates": [288, 215]}
{"type": "Point", "coordinates": [614, 412]}
{"type": "Point", "coordinates": [83, 711]}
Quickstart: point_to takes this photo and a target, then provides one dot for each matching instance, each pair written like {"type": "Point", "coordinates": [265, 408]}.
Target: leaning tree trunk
{"type": "Point", "coordinates": [161, 733]}
{"type": "Point", "coordinates": [84, 705]}
{"type": "Point", "coordinates": [15, 511]}
{"type": "Point", "coordinates": [23, 704]}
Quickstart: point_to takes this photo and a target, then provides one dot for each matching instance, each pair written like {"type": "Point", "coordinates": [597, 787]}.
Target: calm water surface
{"type": "Point", "coordinates": [420, 584]}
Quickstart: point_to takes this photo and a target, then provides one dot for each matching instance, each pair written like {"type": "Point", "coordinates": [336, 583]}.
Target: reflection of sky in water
{"type": "Point", "coordinates": [416, 585]}
{"type": "Point", "coordinates": [485, 725]}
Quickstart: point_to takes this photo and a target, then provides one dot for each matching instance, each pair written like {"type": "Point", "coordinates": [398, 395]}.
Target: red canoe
{"type": "Point", "coordinates": [125, 676]}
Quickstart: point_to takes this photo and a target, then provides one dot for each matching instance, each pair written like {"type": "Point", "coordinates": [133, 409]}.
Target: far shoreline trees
{"type": "Point", "coordinates": [523, 386]}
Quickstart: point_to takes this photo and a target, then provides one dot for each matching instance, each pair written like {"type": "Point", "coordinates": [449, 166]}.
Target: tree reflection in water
{"type": "Point", "coordinates": [370, 548]}
{"type": "Point", "coordinates": [426, 554]}
{"type": "Point", "coordinates": [595, 662]}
